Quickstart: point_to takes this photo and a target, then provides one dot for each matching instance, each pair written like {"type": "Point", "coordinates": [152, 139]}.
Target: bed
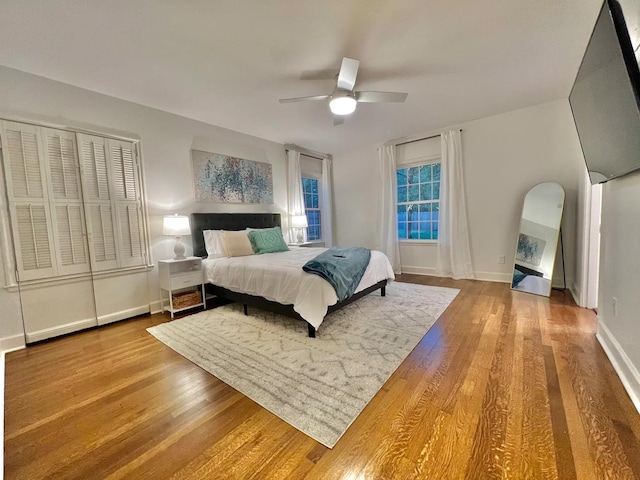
{"type": "Point", "coordinates": [313, 298]}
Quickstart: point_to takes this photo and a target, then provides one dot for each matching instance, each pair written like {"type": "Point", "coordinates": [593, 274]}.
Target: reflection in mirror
{"type": "Point", "coordinates": [538, 239]}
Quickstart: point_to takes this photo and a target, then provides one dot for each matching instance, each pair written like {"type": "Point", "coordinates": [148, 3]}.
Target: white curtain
{"type": "Point", "coordinates": [387, 224]}
{"type": "Point", "coordinates": [295, 198]}
{"type": "Point", "coordinates": [453, 251]}
{"type": "Point", "coordinates": [327, 205]}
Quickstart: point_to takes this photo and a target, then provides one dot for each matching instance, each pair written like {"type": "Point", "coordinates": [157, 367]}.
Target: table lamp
{"type": "Point", "coordinates": [176, 226]}
{"type": "Point", "coordinates": [299, 222]}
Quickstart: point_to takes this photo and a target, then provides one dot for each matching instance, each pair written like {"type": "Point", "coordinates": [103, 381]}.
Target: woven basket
{"type": "Point", "coordinates": [186, 299]}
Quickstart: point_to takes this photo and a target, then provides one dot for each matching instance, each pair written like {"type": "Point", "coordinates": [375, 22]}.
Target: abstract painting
{"type": "Point", "coordinates": [225, 179]}
{"type": "Point", "coordinates": [530, 249]}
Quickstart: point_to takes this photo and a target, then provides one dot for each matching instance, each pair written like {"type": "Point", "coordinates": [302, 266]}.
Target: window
{"type": "Point", "coordinates": [310, 189]}
{"type": "Point", "coordinates": [418, 202]}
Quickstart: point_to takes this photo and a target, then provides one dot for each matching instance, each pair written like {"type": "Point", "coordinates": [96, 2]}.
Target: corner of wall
{"type": "Point", "coordinates": [576, 294]}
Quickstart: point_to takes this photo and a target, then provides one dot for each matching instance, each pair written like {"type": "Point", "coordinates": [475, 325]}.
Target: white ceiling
{"type": "Point", "coordinates": [227, 62]}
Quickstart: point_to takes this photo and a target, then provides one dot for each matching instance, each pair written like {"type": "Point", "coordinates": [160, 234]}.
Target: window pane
{"type": "Point", "coordinates": [402, 230]}
{"type": "Point", "coordinates": [425, 173]}
{"type": "Point", "coordinates": [414, 191]}
{"type": "Point", "coordinates": [414, 175]}
{"type": "Point", "coordinates": [413, 212]}
{"type": "Point", "coordinates": [425, 211]}
{"type": "Point", "coordinates": [413, 229]}
{"type": "Point", "coordinates": [402, 213]}
{"type": "Point", "coordinates": [425, 191]}
{"type": "Point", "coordinates": [314, 186]}
{"type": "Point", "coordinates": [436, 171]}
{"type": "Point", "coordinates": [307, 200]}
{"type": "Point", "coordinates": [315, 200]}
{"type": "Point", "coordinates": [417, 196]}
{"type": "Point", "coordinates": [402, 194]}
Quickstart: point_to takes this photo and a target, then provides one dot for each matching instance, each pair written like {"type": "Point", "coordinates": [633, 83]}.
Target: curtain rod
{"type": "Point", "coordinates": [420, 139]}
{"type": "Point", "coordinates": [307, 152]}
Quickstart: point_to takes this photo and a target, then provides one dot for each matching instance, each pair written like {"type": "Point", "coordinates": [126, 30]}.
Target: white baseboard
{"type": "Point", "coordinates": [575, 293]}
{"type": "Point", "coordinates": [418, 270]}
{"type": "Point", "coordinates": [494, 277]}
{"type": "Point", "coordinates": [155, 307]}
{"type": "Point", "coordinates": [487, 276]}
{"type": "Point", "coordinates": [14, 342]}
{"type": "Point", "coordinates": [122, 314]}
{"type": "Point", "coordinates": [60, 330]}
{"type": "Point", "coordinates": [621, 363]}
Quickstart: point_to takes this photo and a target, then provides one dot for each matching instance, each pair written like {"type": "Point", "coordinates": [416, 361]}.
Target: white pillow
{"type": "Point", "coordinates": [213, 243]}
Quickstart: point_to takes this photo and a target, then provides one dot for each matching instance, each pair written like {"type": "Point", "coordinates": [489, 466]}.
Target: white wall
{"type": "Point", "coordinates": [166, 144]}
{"type": "Point", "coordinates": [619, 326]}
{"type": "Point", "coordinates": [505, 155]}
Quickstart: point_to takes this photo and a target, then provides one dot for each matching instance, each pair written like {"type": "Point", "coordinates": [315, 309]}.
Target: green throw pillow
{"type": "Point", "coordinates": [268, 240]}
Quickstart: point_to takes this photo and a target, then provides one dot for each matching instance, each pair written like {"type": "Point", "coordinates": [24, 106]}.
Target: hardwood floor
{"type": "Point", "coordinates": [504, 385]}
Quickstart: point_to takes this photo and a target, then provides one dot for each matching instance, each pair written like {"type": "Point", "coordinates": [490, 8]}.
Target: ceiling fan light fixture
{"type": "Point", "coordinates": [342, 105]}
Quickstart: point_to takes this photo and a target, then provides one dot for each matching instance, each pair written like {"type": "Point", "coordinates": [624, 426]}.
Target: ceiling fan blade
{"type": "Point", "coordinates": [348, 73]}
{"type": "Point", "coordinates": [337, 120]}
{"type": "Point", "coordinates": [378, 97]}
{"type": "Point", "coordinates": [319, 74]}
{"type": "Point", "coordinates": [304, 99]}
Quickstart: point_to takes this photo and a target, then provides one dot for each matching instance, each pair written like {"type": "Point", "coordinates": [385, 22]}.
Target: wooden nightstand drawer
{"type": "Point", "coordinates": [186, 279]}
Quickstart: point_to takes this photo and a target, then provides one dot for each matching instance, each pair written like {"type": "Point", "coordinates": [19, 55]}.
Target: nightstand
{"type": "Point", "coordinates": [311, 243]}
{"type": "Point", "coordinates": [181, 276]}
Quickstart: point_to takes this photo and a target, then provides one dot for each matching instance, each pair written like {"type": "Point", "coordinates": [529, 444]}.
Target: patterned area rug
{"type": "Point", "coordinates": [318, 385]}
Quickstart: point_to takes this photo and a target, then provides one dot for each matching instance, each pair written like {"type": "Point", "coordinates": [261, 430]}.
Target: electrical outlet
{"type": "Point", "coordinates": [501, 259]}
{"type": "Point", "coordinates": [614, 304]}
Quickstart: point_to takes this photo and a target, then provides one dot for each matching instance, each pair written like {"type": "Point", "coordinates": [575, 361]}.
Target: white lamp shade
{"type": "Point", "coordinates": [176, 225]}
{"type": "Point", "coordinates": [342, 105]}
{"type": "Point", "coordinates": [299, 221]}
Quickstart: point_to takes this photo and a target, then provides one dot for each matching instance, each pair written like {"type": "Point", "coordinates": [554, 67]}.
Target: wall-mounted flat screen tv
{"type": "Point", "coordinates": [605, 99]}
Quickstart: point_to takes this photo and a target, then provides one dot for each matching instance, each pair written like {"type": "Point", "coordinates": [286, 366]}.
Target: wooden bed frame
{"type": "Point", "coordinates": [240, 221]}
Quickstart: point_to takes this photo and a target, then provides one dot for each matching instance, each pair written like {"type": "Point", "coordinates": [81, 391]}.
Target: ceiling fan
{"type": "Point", "coordinates": [344, 99]}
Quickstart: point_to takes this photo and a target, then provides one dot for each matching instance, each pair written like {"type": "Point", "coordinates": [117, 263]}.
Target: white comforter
{"type": "Point", "coordinates": [279, 277]}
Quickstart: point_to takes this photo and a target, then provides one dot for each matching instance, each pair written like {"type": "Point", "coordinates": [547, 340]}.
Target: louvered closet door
{"type": "Point", "coordinates": [65, 196]}
{"type": "Point", "coordinates": [28, 200]}
{"type": "Point", "coordinates": [112, 198]}
{"type": "Point", "coordinates": [128, 207]}
{"type": "Point", "coordinates": [95, 169]}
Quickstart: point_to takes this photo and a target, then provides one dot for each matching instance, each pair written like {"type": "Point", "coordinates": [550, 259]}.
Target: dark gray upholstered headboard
{"type": "Point", "coordinates": [227, 221]}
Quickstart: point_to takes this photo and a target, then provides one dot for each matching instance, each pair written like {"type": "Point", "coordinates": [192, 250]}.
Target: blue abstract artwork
{"type": "Point", "coordinates": [225, 179]}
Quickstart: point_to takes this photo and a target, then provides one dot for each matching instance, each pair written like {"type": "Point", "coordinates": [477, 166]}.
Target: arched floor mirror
{"type": "Point", "coordinates": [538, 239]}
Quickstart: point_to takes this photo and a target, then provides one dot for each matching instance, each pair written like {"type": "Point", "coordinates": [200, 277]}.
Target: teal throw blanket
{"type": "Point", "coordinates": [342, 267]}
